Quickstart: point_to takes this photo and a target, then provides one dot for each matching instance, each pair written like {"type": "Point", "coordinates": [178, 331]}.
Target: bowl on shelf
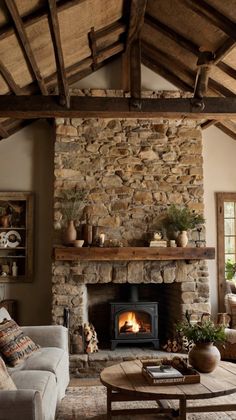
{"type": "Point", "coordinates": [78, 243]}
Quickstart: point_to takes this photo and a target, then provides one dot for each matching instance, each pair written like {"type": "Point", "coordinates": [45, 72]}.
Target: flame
{"type": "Point", "coordinates": [129, 318]}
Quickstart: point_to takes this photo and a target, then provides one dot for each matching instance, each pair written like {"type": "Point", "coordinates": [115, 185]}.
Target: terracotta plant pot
{"type": "Point", "coordinates": [204, 357]}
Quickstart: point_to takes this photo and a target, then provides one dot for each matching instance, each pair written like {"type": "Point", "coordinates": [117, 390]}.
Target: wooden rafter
{"type": "Point", "coordinates": [224, 127]}
{"type": "Point", "coordinates": [132, 59]}
{"type": "Point", "coordinates": [208, 124]}
{"type": "Point", "coordinates": [205, 10]}
{"type": "Point", "coordinates": [56, 40]}
{"type": "Point", "coordinates": [49, 107]}
{"type": "Point", "coordinates": [93, 47]}
{"type": "Point", "coordinates": [25, 44]}
{"type": "Point", "coordinates": [165, 72]}
{"type": "Point", "coordinates": [191, 46]}
{"type": "Point", "coordinates": [3, 132]}
{"type": "Point", "coordinates": [13, 86]}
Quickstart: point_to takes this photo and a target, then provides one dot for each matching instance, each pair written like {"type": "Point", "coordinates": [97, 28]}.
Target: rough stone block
{"type": "Point", "coordinates": [169, 275]}
{"type": "Point", "coordinates": [135, 272]}
{"type": "Point", "coordinates": [119, 273]}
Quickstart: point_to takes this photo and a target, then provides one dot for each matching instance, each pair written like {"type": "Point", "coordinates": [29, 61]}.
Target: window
{"type": "Point", "coordinates": [226, 242]}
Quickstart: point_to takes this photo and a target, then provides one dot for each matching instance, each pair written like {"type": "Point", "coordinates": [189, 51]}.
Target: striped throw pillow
{"type": "Point", "coordinates": [15, 346]}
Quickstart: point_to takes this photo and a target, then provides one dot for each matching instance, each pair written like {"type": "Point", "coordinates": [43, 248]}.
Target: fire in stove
{"type": "Point", "coordinates": [133, 322]}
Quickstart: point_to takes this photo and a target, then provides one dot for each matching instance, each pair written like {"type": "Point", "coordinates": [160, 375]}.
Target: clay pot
{"type": "Point", "coordinates": [70, 233]}
{"type": "Point", "coordinates": [204, 357]}
{"type": "Point", "coordinates": [182, 239]}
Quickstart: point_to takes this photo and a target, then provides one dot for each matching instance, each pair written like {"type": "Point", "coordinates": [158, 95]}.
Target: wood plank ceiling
{"type": "Point", "coordinates": [48, 45]}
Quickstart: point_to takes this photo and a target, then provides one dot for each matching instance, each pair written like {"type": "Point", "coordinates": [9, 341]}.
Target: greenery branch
{"type": "Point", "coordinates": [201, 332]}
{"type": "Point", "coordinates": [180, 218]}
{"type": "Point", "coordinates": [72, 201]}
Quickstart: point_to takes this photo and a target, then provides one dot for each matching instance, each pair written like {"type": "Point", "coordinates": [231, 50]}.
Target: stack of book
{"type": "Point", "coordinates": [160, 243]}
{"type": "Point", "coordinates": [164, 374]}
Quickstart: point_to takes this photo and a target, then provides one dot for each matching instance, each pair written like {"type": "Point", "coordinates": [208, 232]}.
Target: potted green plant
{"type": "Point", "coordinates": [204, 355]}
{"type": "Point", "coordinates": [230, 269]}
{"type": "Point", "coordinates": [72, 201]}
{"type": "Point", "coordinates": [181, 219]}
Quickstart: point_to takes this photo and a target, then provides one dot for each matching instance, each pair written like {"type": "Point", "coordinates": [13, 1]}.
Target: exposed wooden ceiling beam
{"type": "Point", "coordinates": [132, 60]}
{"type": "Point", "coordinates": [136, 20]}
{"type": "Point", "coordinates": [93, 47]}
{"type": "Point", "coordinates": [204, 66]}
{"type": "Point", "coordinates": [208, 124]}
{"type": "Point", "coordinates": [224, 49]}
{"type": "Point", "coordinates": [37, 16]}
{"type": "Point", "coordinates": [227, 69]}
{"type": "Point", "coordinates": [25, 44]}
{"type": "Point", "coordinates": [3, 132]}
{"type": "Point", "coordinates": [226, 129]}
{"type": "Point", "coordinates": [49, 107]}
{"type": "Point", "coordinates": [172, 68]}
{"type": "Point", "coordinates": [165, 72]}
{"type": "Point", "coordinates": [189, 45]}
{"type": "Point", "coordinates": [171, 34]}
{"type": "Point", "coordinates": [205, 10]}
{"type": "Point", "coordinates": [56, 39]}
{"type": "Point", "coordinates": [9, 80]}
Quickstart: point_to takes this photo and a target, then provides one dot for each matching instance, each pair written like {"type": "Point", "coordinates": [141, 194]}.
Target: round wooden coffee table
{"type": "Point", "coordinates": [125, 382]}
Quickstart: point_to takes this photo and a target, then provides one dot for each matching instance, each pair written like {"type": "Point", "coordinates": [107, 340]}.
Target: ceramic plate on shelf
{"type": "Point", "coordinates": [13, 238]}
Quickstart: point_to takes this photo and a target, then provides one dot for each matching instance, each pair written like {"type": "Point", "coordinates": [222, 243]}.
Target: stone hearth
{"type": "Point", "coordinates": [132, 169]}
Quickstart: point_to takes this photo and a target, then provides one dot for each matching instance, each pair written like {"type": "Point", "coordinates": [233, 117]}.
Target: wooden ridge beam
{"type": "Point", "coordinates": [56, 40]}
{"type": "Point", "coordinates": [205, 10]}
{"type": "Point", "coordinates": [89, 107]}
{"type": "Point", "coordinates": [132, 60]}
{"type": "Point", "coordinates": [13, 86]}
{"type": "Point", "coordinates": [136, 20]}
{"type": "Point", "coordinates": [25, 44]}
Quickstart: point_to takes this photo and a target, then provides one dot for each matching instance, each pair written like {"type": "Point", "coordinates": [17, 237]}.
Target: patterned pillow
{"type": "Point", "coordinates": [6, 383]}
{"type": "Point", "coordinates": [14, 345]}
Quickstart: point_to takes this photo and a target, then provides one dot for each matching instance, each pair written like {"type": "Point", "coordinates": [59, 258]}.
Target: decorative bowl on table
{"type": "Point", "coordinates": [78, 243]}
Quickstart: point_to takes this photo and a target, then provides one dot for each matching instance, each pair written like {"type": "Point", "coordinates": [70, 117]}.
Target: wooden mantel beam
{"type": "Point", "coordinates": [99, 107]}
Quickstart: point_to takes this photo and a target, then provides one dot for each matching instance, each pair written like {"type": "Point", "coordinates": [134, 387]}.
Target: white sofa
{"type": "Point", "coordinates": [41, 379]}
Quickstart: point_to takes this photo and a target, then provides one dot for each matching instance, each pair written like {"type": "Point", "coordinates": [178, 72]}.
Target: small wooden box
{"type": "Point", "coordinates": [190, 375]}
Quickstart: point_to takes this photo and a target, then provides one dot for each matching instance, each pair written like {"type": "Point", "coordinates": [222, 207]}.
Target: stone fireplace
{"type": "Point", "coordinates": [132, 170]}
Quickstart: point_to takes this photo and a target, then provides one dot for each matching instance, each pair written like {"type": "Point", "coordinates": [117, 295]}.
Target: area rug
{"type": "Point", "coordinates": [89, 402]}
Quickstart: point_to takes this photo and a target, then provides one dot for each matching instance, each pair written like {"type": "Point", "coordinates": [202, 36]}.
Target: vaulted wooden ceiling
{"type": "Point", "coordinates": [47, 45]}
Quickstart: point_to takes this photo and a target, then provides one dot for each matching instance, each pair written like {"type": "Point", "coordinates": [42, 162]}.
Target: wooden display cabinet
{"type": "Point", "coordinates": [16, 237]}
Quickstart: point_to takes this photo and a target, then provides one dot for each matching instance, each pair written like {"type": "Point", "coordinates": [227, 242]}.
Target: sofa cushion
{"type": "Point", "coordinates": [50, 359]}
{"type": "Point", "coordinates": [14, 345]}
{"type": "Point", "coordinates": [6, 382]}
{"type": "Point", "coordinates": [4, 314]}
{"type": "Point", "coordinates": [42, 381]}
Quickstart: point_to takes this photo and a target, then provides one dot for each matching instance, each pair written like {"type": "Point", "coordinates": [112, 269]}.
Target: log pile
{"type": "Point", "coordinates": [173, 345]}
{"type": "Point", "coordinates": [90, 336]}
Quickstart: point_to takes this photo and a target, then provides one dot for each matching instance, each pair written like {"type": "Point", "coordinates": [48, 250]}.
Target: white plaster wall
{"type": "Point", "coordinates": [219, 152]}
{"type": "Point", "coordinates": [26, 160]}
{"type": "Point", "coordinates": [26, 163]}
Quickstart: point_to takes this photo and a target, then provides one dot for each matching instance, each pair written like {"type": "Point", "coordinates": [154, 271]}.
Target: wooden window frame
{"type": "Point", "coordinates": [221, 198]}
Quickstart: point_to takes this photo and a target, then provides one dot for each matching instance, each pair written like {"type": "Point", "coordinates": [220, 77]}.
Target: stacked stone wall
{"type": "Point", "coordinates": [132, 169]}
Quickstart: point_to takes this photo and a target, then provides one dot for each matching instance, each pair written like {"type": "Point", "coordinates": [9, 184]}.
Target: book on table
{"type": "Point", "coordinates": [163, 372]}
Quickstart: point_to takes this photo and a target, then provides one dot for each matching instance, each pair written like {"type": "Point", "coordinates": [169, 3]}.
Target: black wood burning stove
{"type": "Point", "coordinates": [134, 321]}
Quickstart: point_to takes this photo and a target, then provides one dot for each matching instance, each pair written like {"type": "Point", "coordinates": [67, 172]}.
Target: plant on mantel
{"type": "Point", "coordinates": [180, 219]}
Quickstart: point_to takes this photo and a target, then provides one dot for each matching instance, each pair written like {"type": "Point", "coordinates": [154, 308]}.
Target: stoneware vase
{"type": "Point", "coordinates": [204, 357]}
{"type": "Point", "coordinates": [70, 233]}
{"type": "Point", "coordinates": [182, 239]}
